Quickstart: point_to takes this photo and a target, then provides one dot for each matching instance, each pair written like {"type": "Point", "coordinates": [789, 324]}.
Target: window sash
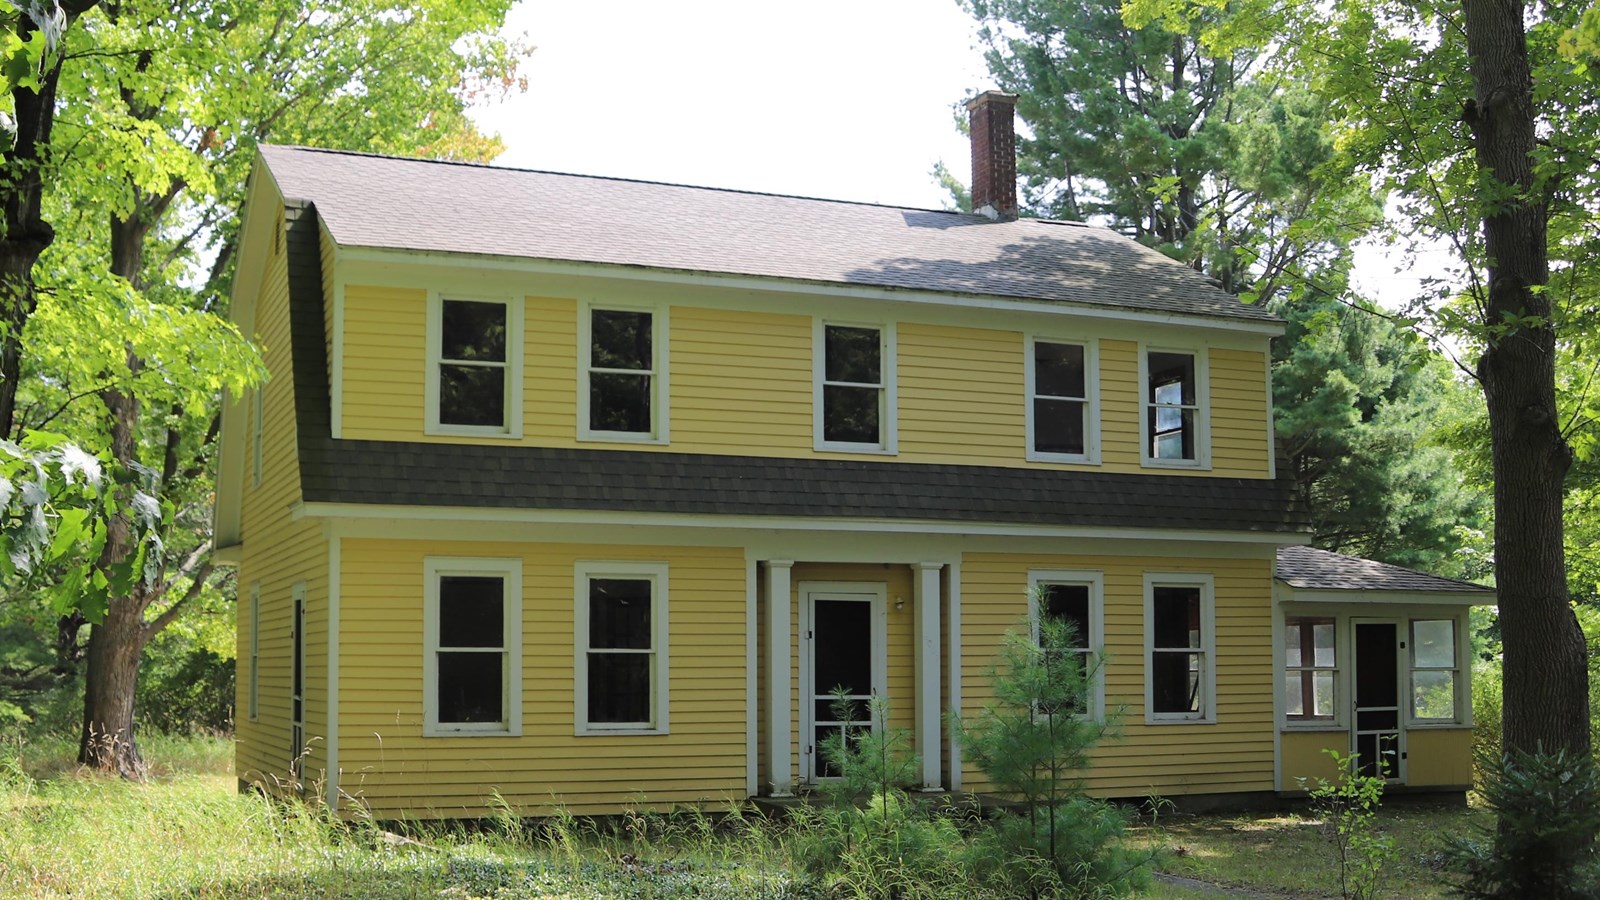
{"type": "Point", "coordinates": [652, 654]}
{"type": "Point", "coordinates": [1453, 671]}
{"type": "Point", "coordinates": [647, 373]}
{"type": "Point", "coordinates": [440, 683]}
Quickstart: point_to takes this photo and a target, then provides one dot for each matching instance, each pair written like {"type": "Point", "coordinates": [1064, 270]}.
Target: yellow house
{"type": "Point", "coordinates": [580, 490]}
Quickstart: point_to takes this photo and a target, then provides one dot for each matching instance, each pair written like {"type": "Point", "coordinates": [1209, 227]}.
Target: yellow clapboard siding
{"type": "Point", "coordinates": [381, 693]}
{"type": "Point", "coordinates": [1235, 753]}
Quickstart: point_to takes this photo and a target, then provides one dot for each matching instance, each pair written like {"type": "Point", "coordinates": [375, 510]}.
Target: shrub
{"type": "Point", "coordinates": [1349, 807]}
{"type": "Point", "coordinates": [1547, 807]}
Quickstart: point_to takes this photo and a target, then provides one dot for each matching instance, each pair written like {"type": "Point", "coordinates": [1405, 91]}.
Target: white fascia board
{"type": "Point", "coordinates": [392, 256]}
{"type": "Point", "coordinates": [360, 511]}
{"type": "Point", "coordinates": [1392, 598]}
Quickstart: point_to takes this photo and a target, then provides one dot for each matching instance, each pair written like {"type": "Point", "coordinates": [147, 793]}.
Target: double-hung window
{"type": "Point", "coordinates": [621, 397]}
{"type": "Point", "coordinates": [1060, 408]}
{"type": "Point", "coordinates": [1435, 672]}
{"type": "Point", "coordinates": [1180, 677]}
{"type": "Point", "coordinates": [1310, 667]}
{"type": "Point", "coordinates": [1066, 614]}
{"type": "Point", "coordinates": [473, 632]}
{"type": "Point", "coordinates": [621, 659]}
{"type": "Point", "coordinates": [474, 385]}
{"type": "Point", "coordinates": [854, 388]}
{"type": "Point", "coordinates": [1174, 418]}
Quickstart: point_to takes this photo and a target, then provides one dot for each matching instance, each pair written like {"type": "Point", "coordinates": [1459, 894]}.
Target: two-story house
{"type": "Point", "coordinates": [580, 490]}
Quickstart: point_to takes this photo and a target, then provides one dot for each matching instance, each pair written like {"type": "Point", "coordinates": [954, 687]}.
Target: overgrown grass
{"type": "Point", "coordinates": [1291, 853]}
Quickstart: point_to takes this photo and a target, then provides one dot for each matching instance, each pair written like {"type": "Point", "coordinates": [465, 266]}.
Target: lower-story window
{"type": "Point", "coordinates": [1310, 669]}
{"type": "Point", "coordinates": [473, 633]}
{"type": "Point", "coordinates": [1179, 648]}
{"type": "Point", "coordinates": [1434, 673]}
{"type": "Point", "coordinates": [621, 660]}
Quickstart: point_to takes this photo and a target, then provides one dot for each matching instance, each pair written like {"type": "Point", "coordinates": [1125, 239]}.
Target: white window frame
{"type": "Point", "coordinates": [1095, 581]}
{"type": "Point", "coordinates": [660, 379]}
{"type": "Point", "coordinates": [660, 687]}
{"type": "Point", "coordinates": [254, 707]}
{"type": "Point", "coordinates": [888, 388]}
{"type": "Point", "coordinates": [1207, 715]}
{"type": "Point", "coordinates": [512, 427]}
{"type": "Point", "coordinates": [1339, 668]}
{"type": "Point", "coordinates": [257, 410]}
{"type": "Point", "coordinates": [510, 572]}
{"type": "Point", "coordinates": [1202, 412]}
{"type": "Point", "coordinates": [1091, 390]}
{"type": "Point", "coordinates": [297, 675]}
{"type": "Point", "coordinates": [1458, 671]}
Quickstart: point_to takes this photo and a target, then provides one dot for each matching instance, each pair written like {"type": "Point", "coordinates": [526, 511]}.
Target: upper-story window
{"type": "Point", "coordinates": [1061, 405]}
{"type": "Point", "coordinates": [474, 383]}
{"type": "Point", "coordinates": [854, 388]}
{"type": "Point", "coordinates": [620, 397]}
{"type": "Point", "coordinates": [1174, 418]}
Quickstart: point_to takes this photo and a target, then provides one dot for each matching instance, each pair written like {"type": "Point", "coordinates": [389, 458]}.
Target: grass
{"type": "Point", "coordinates": [1291, 854]}
{"type": "Point", "coordinates": [187, 833]}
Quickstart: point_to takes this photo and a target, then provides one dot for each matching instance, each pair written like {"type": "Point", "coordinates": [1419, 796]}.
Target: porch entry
{"type": "Point", "coordinates": [1377, 738]}
{"type": "Point", "coordinates": [843, 649]}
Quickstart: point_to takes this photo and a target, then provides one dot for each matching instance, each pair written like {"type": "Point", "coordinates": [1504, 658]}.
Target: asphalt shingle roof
{"type": "Point", "coordinates": [410, 204]}
{"type": "Point", "coordinates": [1308, 568]}
{"type": "Point", "coordinates": [462, 475]}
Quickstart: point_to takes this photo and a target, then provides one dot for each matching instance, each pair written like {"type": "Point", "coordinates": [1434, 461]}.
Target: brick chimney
{"type": "Point", "coordinates": [994, 155]}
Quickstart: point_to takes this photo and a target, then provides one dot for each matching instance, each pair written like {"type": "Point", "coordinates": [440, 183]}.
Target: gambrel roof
{"type": "Point", "coordinates": [430, 206]}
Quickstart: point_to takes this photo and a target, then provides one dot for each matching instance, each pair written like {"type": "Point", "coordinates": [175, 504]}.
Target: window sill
{"type": "Point", "coordinates": [464, 431]}
{"type": "Point", "coordinates": [625, 732]}
{"type": "Point", "coordinates": [502, 731]}
{"type": "Point", "coordinates": [1084, 460]}
{"type": "Point", "coordinates": [1192, 464]}
{"type": "Point", "coordinates": [872, 449]}
{"type": "Point", "coordinates": [1312, 727]}
{"type": "Point", "coordinates": [1177, 720]}
{"type": "Point", "coordinates": [622, 437]}
{"type": "Point", "coordinates": [1435, 725]}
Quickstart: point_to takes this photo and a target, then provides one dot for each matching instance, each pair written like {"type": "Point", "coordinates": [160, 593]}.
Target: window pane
{"type": "Point", "coordinates": [619, 340]}
{"type": "Point", "coordinates": [1069, 603]}
{"type": "Point", "coordinates": [1434, 643]}
{"type": "Point", "coordinates": [475, 331]}
{"type": "Point", "coordinates": [1294, 704]}
{"type": "Point", "coordinates": [851, 354]}
{"type": "Point", "coordinates": [1291, 645]}
{"type": "Point", "coordinates": [843, 657]}
{"type": "Point", "coordinates": [471, 611]}
{"type": "Point", "coordinates": [1175, 682]}
{"type": "Point", "coordinates": [1172, 433]}
{"type": "Point", "coordinates": [470, 686]}
{"type": "Point", "coordinates": [1322, 633]}
{"type": "Point", "coordinates": [619, 687]}
{"type": "Point", "coordinates": [1172, 378]}
{"type": "Point", "coordinates": [619, 613]}
{"type": "Point", "coordinates": [619, 402]}
{"type": "Point", "coordinates": [1177, 617]}
{"type": "Point", "coordinates": [1058, 425]}
{"type": "Point", "coordinates": [1322, 694]}
{"type": "Point", "coordinates": [472, 395]}
{"type": "Point", "coordinates": [1433, 695]}
{"type": "Point", "coordinates": [1058, 370]}
{"type": "Point", "coordinates": [850, 415]}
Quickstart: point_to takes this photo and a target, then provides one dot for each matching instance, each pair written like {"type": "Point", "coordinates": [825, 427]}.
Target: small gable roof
{"type": "Point", "coordinates": [383, 202]}
{"type": "Point", "coordinates": [1307, 568]}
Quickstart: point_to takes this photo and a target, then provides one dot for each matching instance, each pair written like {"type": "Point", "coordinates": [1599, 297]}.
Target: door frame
{"type": "Point", "coordinates": [877, 594]}
{"type": "Point", "coordinates": [1402, 635]}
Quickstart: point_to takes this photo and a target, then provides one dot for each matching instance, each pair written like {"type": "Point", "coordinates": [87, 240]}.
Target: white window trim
{"type": "Point", "coordinates": [254, 708]}
{"type": "Point", "coordinates": [297, 675]}
{"type": "Point", "coordinates": [1097, 626]}
{"type": "Point", "coordinates": [889, 406]}
{"type": "Point", "coordinates": [1340, 668]}
{"type": "Point", "coordinates": [660, 379]}
{"type": "Point", "coordinates": [512, 429]}
{"type": "Point", "coordinates": [1202, 417]}
{"type": "Point", "coordinates": [1462, 672]}
{"type": "Point", "coordinates": [510, 570]}
{"type": "Point", "coordinates": [1208, 647]}
{"type": "Point", "coordinates": [660, 686]}
{"type": "Point", "coordinates": [257, 411]}
{"type": "Point", "coordinates": [1091, 390]}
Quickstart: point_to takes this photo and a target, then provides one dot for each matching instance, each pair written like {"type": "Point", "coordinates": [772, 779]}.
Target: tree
{"type": "Point", "coordinates": [1357, 401]}
{"type": "Point", "coordinates": [159, 111]}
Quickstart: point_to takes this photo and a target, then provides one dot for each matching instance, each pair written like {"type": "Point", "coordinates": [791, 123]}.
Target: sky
{"type": "Point", "coordinates": [841, 100]}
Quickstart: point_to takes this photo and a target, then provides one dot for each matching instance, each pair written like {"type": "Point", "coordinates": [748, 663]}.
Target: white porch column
{"type": "Point", "coordinates": [780, 666]}
{"type": "Point", "coordinates": [926, 584]}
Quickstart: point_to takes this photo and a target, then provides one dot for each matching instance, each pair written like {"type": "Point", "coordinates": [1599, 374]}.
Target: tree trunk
{"type": "Point", "coordinates": [115, 647]}
{"type": "Point", "coordinates": [1546, 704]}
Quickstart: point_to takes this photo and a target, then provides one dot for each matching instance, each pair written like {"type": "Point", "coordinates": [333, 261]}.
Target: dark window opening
{"type": "Point", "coordinates": [852, 385]}
{"type": "Point", "coordinates": [1177, 653]}
{"type": "Point", "coordinates": [1172, 402]}
{"type": "Point", "coordinates": [621, 652]}
{"type": "Point", "coordinates": [472, 364]}
{"type": "Point", "coordinates": [621, 371]}
{"type": "Point", "coordinates": [471, 678]}
{"type": "Point", "coordinates": [1060, 398]}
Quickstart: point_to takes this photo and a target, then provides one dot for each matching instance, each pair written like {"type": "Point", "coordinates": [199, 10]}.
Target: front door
{"type": "Point", "coordinates": [1377, 740]}
{"type": "Point", "coordinates": [842, 670]}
